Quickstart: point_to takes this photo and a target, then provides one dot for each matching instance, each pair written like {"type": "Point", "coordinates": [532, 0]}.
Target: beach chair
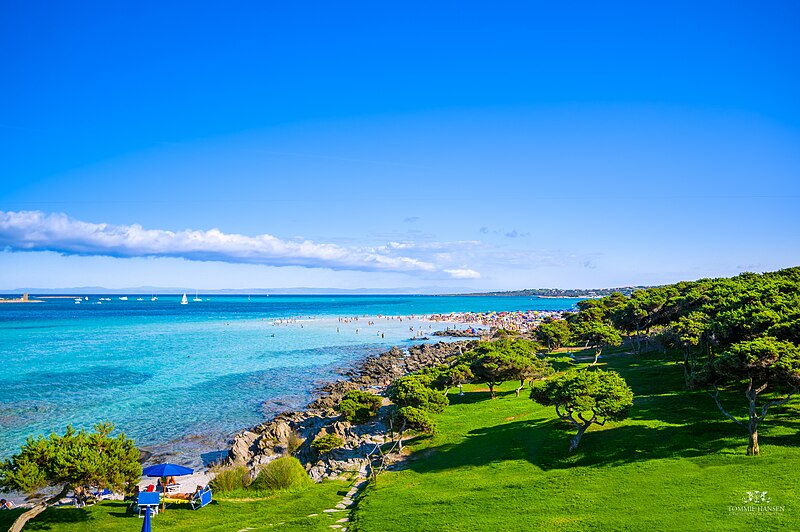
{"type": "Point", "coordinates": [104, 494]}
{"type": "Point", "coordinates": [148, 501]}
{"type": "Point", "coordinates": [201, 498]}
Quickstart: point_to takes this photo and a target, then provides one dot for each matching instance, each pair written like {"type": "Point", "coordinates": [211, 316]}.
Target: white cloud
{"type": "Point", "coordinates": [432, 246]}
{"type": "Point", "coordinates": [39, 231]}
{"type": "Point", "coordinates": [463, 273]}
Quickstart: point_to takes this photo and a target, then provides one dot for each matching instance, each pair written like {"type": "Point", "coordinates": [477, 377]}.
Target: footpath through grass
{"type": "Point", "coordinates": [283, 511]}
{"type": "Point", "coordinates": [676, 464]}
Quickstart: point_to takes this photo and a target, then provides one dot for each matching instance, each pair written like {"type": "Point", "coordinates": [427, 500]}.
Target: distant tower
{"type": "Point", "coordinates": [24, 297]}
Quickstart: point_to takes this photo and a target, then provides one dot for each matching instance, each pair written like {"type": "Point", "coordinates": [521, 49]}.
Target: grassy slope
{"type": "Point", "coordinates": [674, 465]}
{"type": "Point", "coordinates": [290, 509]}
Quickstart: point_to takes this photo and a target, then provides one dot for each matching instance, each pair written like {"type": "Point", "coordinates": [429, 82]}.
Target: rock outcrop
{"type": "Point", "coordinates": [460, 333]}
{"type": "Point", "coordinates": [266, 442]}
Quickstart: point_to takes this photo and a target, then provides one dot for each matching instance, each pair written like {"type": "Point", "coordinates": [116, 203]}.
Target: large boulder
{"type": "Point", "coordinates": [243, 449]}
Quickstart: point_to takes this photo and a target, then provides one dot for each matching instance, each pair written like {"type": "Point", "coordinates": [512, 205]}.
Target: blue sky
{"type": "Point", "coordinates": [460, 145]}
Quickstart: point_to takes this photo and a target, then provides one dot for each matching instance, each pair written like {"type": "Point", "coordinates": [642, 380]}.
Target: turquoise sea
{"type": "Point", "coordinates": [182, 378]}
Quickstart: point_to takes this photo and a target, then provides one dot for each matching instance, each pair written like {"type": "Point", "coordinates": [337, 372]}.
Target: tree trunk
{"type": "Point", "coordinates": [573, 443]}
{"type": "Point", "coordinates": [23, 519]}
{"type": "Point", "coordinates": [687, 368]}
{"type": "Point", "coordinates": [596, 356]}
{"type": "Point", "coordinates": [521, 386]}
{"type": "Point", "coordinates": [752, 445]}
{"type": "Point", "coordinates": [491, 390]}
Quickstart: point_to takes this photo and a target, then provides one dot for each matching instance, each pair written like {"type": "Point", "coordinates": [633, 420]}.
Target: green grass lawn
{"type": "Point", "coordinates": [676, 464]}
{"type": "Point", "coordinates": [283, 511]}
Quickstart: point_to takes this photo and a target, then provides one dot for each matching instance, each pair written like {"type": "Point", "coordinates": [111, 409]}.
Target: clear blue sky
{"type": "Point", "coordinates": [452, 144]}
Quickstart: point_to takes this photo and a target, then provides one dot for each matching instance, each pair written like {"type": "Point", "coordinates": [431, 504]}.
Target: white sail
{"type": "Point", "coordinates": [184, 301]}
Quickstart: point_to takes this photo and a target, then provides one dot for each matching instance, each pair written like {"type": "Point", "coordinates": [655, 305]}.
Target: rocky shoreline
{"type": "Point", "coordinates": [267, 441]}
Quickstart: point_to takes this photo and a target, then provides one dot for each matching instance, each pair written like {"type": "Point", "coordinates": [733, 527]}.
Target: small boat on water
{"type": "Point", "coordinates": [196, 298]}
{"type": "Point", "coordinates": [139, 299]}
{"type": "Point", "coordinates": [123, 298]}
{"type": "Point", "coordinates": [78, 301]}
{"type": "Point", "coordinates": [184, 301]}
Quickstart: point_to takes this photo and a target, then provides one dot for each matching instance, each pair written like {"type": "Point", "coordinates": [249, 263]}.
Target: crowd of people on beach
{"type": "Point", "coordinates": [520, 321]}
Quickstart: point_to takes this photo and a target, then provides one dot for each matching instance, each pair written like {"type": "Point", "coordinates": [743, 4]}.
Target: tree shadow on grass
{"type": "Point", "coordinates": [478, 396]}
{"type": "Point", "coordinates": [55, 518]}
{"type": "Point", "coordinates": [7, 517]}
{"type": "Point", "coordinates": [666, 421]}
{"type": "Point", "coordinates": [545, 445]}
{"type": "Point", "coordinates": [468, 398]}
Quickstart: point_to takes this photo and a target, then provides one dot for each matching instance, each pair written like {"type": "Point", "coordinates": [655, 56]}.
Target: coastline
{"type": "Point", "coordinates": [373, 372]}
{"type": "Point", "coordinates": [258, 445]}
{"type": "Point", "coordinates": [203, 450]}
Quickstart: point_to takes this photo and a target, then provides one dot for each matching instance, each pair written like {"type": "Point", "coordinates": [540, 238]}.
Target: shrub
{"type": "Point", "coordinates": [410, 391]}
{"type": "Point", "coordinates": [327, 443]}
{"type": "Point", "coordinates": [357, 406]}
{"type": "Point", "coordinates": [293, 443]}
{"type": "Point", "coordinates": [232, 478]}
{"type": "Point", "coordinates": [417, 419]}
{"type": "Point", "coordinates": [281, 474]}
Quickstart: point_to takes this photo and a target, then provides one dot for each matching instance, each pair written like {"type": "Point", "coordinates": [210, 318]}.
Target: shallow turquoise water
{"type": "Point", "coordinates": [183, 378]}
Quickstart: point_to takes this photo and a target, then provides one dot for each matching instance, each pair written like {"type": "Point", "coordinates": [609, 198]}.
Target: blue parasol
{"type": "Point", "coordinates": [146, 524]}
{"type": "Point", "coordinates": [166, 470]}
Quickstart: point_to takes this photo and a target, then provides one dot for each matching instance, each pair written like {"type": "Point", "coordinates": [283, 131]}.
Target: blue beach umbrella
{"type": "Point", "coordinates": [166, 470]}
{"type": "Point", "coordinates": [147, 525]}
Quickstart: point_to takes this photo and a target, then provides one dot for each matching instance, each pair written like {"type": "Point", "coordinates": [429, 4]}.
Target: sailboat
{"type": "Point", "coordinates": [184, 301]}
{"type": "Point", "coordinates": [195, 297]}
{"type": "Point", "coordinates": [153, 297]}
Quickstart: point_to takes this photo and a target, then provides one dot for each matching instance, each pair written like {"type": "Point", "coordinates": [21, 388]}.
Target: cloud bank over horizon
{"type": "Point", "coordinates": [57, 232]}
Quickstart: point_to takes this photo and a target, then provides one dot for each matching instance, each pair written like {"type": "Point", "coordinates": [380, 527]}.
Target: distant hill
{"type": "Point", "coordinates": [561, 292]}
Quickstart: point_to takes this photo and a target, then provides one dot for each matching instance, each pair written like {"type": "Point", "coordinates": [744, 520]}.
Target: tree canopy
{"type": "Point", "coordinates": [76, 459]}
{"type": "Point", "coordinates": [70, 463]}
{"type": "Point", "coordinates": [765, 364]}
{"type": "Point", "coordinates": [493, 363]}
{"type": "Point", "coordinates": [555, 334]}
{"type": "Point", "coordinates": [584, 398]}
{"type": "Point", "coordinates": [412, 390]}
{"type": "Point", "coordinates": [738, 334]}
{"type": "Point", "coordinates": [358, 406]}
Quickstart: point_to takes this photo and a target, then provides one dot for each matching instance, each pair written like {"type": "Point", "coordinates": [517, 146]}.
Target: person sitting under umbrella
{"type": "Point", "coordinates": [166, 474]}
